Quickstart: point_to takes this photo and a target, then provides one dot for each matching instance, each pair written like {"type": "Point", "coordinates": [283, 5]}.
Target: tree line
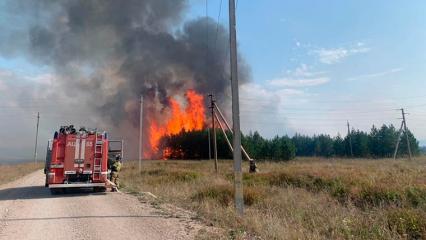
{"type": "Point", "coordinates": [423, 150]}
{"type": "Point", "coordinates": [378, 143]}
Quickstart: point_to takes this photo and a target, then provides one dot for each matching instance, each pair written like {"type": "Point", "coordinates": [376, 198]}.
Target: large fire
{"type": "Point", "coordinates": [190, 117]}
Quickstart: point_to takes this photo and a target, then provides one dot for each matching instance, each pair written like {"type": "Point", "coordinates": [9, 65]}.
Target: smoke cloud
{"type": "Point", "coordinates": [106, 53]}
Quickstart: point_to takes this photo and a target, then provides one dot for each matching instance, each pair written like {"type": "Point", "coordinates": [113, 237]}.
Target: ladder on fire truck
{"type": "Point", "coordinates": [97, 166]}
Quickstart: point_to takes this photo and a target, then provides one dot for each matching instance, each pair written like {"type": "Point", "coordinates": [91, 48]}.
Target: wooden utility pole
{"type": "Point", "coordinates": [36, 139]}
{"type": "Point", "coordinates": [141, 134]}
{"type": "Point", "coordinates": [210, 148]}
{"type": "Point", "coordinates": [212, 104]}
{"type": "Point", "coordinates": [406, 133]}
{"type": "Point", "coordinates": [403, 125]}
{"type": "Point", "coordinates": [398, 141]}
{"type": "Point", "coordinates": [350, 139]}
{"type": "Point", "coordinates": [238, 182]}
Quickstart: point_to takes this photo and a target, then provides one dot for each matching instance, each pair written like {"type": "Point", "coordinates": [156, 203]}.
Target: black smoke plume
{"type": "Point", "coordinates": [106, 53]}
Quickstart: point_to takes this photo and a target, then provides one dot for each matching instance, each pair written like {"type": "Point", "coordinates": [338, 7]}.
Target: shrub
{"type": "Point", "coordinates": [416, 196]}
{"type": "Point", "coordinates": [339, 190]}
{"type": "Point", "coordinates": [408, 222]}
{"type": "Point", "coordinates": [376, 196]}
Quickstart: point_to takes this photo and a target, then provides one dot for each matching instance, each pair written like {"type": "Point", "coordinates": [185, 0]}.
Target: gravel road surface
{"type": "Point", "coordinates": [29, 211]}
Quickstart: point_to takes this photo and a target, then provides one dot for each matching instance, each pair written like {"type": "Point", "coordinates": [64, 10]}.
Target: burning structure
{"type": "Point", "coordinates": [103, 54]}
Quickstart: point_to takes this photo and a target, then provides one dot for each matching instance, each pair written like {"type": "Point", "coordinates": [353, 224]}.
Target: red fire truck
{"type": "Point", "coordinates": [79, 159]}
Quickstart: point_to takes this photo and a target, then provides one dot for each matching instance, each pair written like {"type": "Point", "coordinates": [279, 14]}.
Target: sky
{"type": "Point", "coordinates": [314, 66]}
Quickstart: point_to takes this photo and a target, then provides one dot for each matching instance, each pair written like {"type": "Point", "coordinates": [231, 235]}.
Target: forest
{"type": "Point", "coordinates": [377, 143]}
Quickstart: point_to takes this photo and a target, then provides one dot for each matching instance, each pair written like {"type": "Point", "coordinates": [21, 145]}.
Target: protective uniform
{"type": "Point", "coordinates": [115, 169]}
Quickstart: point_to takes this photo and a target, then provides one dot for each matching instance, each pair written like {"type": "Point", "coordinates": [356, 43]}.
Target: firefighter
{"type": "Point", "coordinates": [115, 169]}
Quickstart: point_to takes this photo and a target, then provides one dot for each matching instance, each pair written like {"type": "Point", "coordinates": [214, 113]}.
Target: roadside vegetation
{"type": "Point", "coordinates": [11, 172]}
{"type": "Point", "coordinates": [308, 198]}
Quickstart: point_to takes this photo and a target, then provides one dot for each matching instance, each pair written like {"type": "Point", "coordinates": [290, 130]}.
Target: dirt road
{"type": "Point", "coordinates": [29, 211]}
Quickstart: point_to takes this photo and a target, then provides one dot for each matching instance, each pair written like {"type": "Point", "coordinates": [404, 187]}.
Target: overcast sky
{"type": "Point", "coordinates": [314, 66]}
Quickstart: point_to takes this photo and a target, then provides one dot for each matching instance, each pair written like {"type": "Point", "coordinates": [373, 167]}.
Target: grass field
{"type": "Point", "coordinates": [302, 199]}
{"type": "Point", "coordinates": [10, 172]}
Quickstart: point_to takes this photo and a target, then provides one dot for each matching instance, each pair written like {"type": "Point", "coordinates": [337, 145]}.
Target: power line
{"type": "Point", "coordinates": [317, 110]}
{"type": "Point", "coordinates": [297, 114]}
{"type": "Point", "coordinates": [311, 124]}
{"type": "Point", "coordinates": [274, 100]}
{"type": "Point", "coordinates": [341, 100]}
{"type": "Point", "coordinates": [320, 120]}
{"type": "Point", "coordinates": [207, 39]}
{"type": "Point", "coordinates": [416, 106]}
{"type": "Point", "coordinates": [315, 116]}
{"type": "Point", "coordinates": [217, 25]}
{"type": "Point", "coordinates": [385, 109]}
{"type": "Point", "coordinates": [34, 99]}
{"type": "Point", "coordinates": [279, 111]}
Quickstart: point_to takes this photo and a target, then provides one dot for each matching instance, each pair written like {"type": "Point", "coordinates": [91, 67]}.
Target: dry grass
{"type": "Point", "coordinates": [301, 199]}
{"type": "Point", "coordinates": [12, 172]}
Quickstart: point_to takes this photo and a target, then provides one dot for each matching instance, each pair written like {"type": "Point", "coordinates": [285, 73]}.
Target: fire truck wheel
{"type": "Point", "coordinates": [99, 189]}
{"type": "Point", "coordinates": [46, 183]}
{"type": "Point", "coordinates": [56, 191]}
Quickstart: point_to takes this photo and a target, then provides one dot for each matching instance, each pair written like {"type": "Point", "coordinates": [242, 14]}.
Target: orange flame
{"type": "Point", "coordinates": [188, 119]}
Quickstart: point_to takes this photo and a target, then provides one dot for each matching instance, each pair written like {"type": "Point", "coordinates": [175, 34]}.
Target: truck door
{"type": "Point", "coordinates": [71, 151]}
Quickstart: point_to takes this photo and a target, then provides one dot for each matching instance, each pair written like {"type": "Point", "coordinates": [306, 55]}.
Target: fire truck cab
{"type": "Point", "coordinates": [79, 159]}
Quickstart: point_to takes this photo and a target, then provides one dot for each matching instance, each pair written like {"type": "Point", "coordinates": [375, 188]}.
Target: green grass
{"type": "Point", "coordinates": [408, 223]}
